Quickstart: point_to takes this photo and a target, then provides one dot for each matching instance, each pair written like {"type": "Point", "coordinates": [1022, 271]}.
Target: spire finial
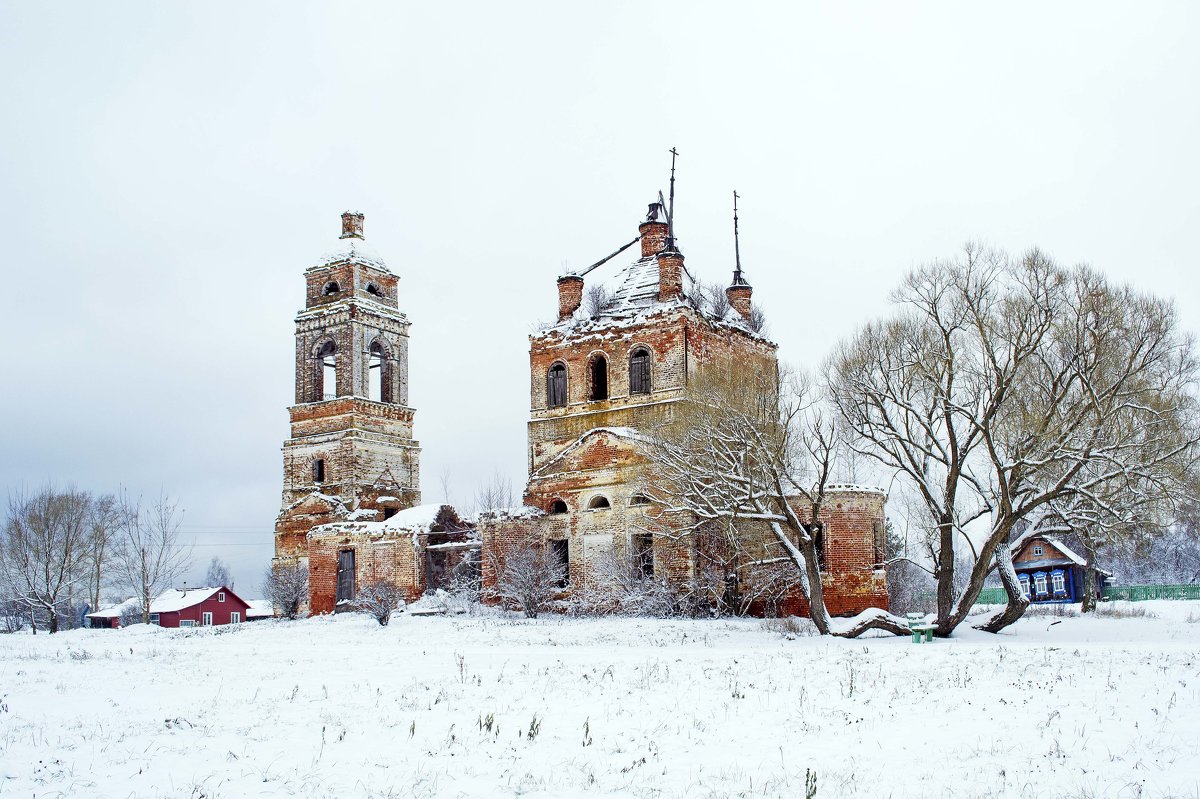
{"type": "Point", "coordinates": [671, 207]}
{"type": "Point", "coordinates": [737, 251]}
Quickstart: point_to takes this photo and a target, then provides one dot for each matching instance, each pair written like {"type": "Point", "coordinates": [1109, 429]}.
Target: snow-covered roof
{"type": "Point", "coordinates": [416, 520]}
{"type": "Point", "coordinates": [355, 250]}
{"type": "Point", "coordinates": [259, 609]}
{"type": "Point", "coordinates": [1068, 553]}
{"type": "Point", "coordinates": [179, 598]}
{"type": "Point", "coordinates": [114, 611]}
{"type": "Point", "coordinates": [633, 298]}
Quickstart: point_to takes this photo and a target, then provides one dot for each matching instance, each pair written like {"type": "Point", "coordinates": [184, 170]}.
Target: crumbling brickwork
{"type": "Point", "coordinates": [586, 472]}
{"type": "Point", "coordinates": [351, 453]}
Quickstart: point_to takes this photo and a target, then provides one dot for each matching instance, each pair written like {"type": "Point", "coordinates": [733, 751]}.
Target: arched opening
{"type": "Point", "coordinates": [379, 374]}
{"type": "Point", "coordinates": [638, 499]}
{"type": "Point", "coordinates": [556, 386]}
{"type": "Point", "coordinates": [331, 288]}
{"type": "Point", "coordinates": [373, 289]}
{"type": "Point", "coordinates": [639, 371]}
{"type": "Point", "coordinates": [599, 502]}
{"type": "Point", "coordinates": [327, 364]}
{"type": "Point", "coordinates": [819, 542]}
{"type": "Point", "coordinates": [558, 507]}
{"type": "Point", "coordinates": [598, 390]}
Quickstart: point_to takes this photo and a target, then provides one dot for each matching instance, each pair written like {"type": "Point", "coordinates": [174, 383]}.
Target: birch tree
{"type": "Point", "coordinates": [149, 556]}
{"type": "Point", "coordinates": [1011, 390]}
{"type": "Point", "coordinates": [44, 553]}
{"type": "Point", "coordinates": [743, 455]}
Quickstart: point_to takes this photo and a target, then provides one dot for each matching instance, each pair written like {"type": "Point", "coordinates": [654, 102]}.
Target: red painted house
{"type": "Point", "coordinates": [198, 607]}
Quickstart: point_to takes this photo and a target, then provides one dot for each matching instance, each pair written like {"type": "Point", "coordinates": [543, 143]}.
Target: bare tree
{"type": "Point", "coordinates": [1008, 391]}
{"type": "Point", "coordinates": [528, 576]}
{"type": "Point", "coordinates": [379, 598]}
{"type": "Point", "coordinates": [752, 463]}
{"type": "Point", "coordinates": [618, 584]}
{"type": "Point", "coordinates": [496, 494]}
{"type": "Point", "coordinates": [104, 520]}
{"type": "Point", "coordinates": [44, 553]}
{"type": "Point", "coordinates": [218, 574]}
{"type": "Point", "coordinates": [596, 299]}
{"type": "Point", "coordinates": [286, 585]}
{"type": "Point", "coordinates": [149, 556]}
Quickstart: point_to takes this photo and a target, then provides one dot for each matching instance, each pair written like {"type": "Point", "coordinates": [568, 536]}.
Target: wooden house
{"type": "Point", "coordinates": [1051, 572]}
{"type": "Point", "coordinates": [198, 607]}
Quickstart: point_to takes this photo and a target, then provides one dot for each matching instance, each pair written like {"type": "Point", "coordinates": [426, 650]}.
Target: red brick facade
{"type": "Point", "coordinates": [585, 467]}
{"type": "Point", "coordinates": [351, 455]}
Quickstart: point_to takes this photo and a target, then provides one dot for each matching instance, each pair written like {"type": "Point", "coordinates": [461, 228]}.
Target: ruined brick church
{"type": "Point", "coordinates": [601, 377]}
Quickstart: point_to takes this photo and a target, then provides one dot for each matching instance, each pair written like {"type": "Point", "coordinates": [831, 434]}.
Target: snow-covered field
{"type": "Point", "coordinates": [500, 706]}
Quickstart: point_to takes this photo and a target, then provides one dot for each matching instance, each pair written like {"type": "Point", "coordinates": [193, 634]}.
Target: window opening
{"type": "Point", "coordinates": [319, 470]}
{"type": "Point", "coordinates": [389, 513]}
{"type": "Point", "coordinates": [1059, 584]}
{"type": "Point", "coordinates": [643, 554]}
{"type": "Point", "coordinates": [1039, 584]}
{"type": "Point", "coordinates": [599, 503]}
{"type": "Point", "coordinates": [599, 388]}
{"type": "Point", "coordinates": [1037, 550]}
{"type": "Point", "coordinates": [235, 617]}
{"type": "Point", "coordinates": [560, 551]}
{"type": "Point", "coordinates": [879, 528]}
{"type": "Point", "coordinates": [327, 356]}
{"type": "Point", "coordinates": [375, 373]}
{"type": "Point", "coordinates": [558, 506]}
{"type": "Point", "coordinates": [221, 596]}
{"type": "Point", "coordinates": [819, 542]}
{"type": "Point", "coordinates": [639, 499]}
{"type": "Point", "coordinates": [556, 386]}
{"type": "Point", "coordinates": [154, 618]}
{"type": "Point", "coordinates": [1024, 581]}
{"type": "Point", "coordinates": [187, 622]}
{"type": "Point", "coordinates": [206, 618]}
{"type": "Point", "coordinates": [331, 288]}
{"type": "Point", "coordinates": [639, 371]}
{"type": "Point", "coordinates": [345, 575]}
{"type": "Point", "coordinates": [373, 289]}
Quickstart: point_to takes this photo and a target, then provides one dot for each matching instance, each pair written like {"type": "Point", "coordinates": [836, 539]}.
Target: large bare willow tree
{"type": "Point", "coordinates": [750, 464]}
{"type": "Point", "coordinates": [1018, 395]}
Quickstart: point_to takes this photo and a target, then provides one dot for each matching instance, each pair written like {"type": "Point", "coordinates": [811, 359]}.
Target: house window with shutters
{"type": "Point", "coordinates": [345, 575]}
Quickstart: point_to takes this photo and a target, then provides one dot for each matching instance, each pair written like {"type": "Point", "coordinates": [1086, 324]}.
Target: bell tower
{"type": "Point", "coordinates": [351, 453]}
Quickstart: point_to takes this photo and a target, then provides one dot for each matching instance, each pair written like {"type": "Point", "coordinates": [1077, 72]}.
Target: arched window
{"type": "Point", "coordinates": [556, 386]}
{"type": "Point", "coordinates": [379, 374]}
{"type": "Point", "coordinates": [327, 364]}
{"type": "Point", "coordinates": [598, 390]}
{"type": "Point", "coordinates": [557, 507]}
{"type": "Point", "coordinates": [373, 289]}
{"type": "Point", "coordinates": [639, 371]}
{"type": "Point", "coordinates": [639, 499]}
{"type": "Point", "coordinates": [331, 288]}
{"type": "Point", "coordinates": [599, 503]}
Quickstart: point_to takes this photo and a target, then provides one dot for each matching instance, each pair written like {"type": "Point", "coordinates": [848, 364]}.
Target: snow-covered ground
{"type": "Point", "coordinates": [501, 706]}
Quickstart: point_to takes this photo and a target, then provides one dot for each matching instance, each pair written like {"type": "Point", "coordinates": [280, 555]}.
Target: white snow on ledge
{"type": "Point", "coordinates": [353, 249]}
{"type": "Point", "coordinates": [839, 488]}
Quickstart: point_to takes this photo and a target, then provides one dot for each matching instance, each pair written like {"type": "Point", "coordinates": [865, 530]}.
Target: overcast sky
{"type": "Point", "coordinates": [169, 170]}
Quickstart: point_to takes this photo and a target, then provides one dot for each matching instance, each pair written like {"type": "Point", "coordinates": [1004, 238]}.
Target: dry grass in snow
{"type": "Point", "coordinates": [555, 707]}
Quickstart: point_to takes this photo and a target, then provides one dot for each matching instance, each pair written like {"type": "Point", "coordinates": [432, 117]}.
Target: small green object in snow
{"type": "Point", "coordinates": [916, 623]}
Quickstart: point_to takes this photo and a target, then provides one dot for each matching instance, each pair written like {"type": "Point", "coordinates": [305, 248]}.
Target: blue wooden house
{"type": "Point", "coordinates": [1050, 571]}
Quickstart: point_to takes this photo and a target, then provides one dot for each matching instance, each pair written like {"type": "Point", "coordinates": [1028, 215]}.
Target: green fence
{"type": "Point", "coordinates": [1128, 593]}
{"type": "Point", "coordinates": [992, 596]}
{"type": "Point", "coordinates": [1140, 593]}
